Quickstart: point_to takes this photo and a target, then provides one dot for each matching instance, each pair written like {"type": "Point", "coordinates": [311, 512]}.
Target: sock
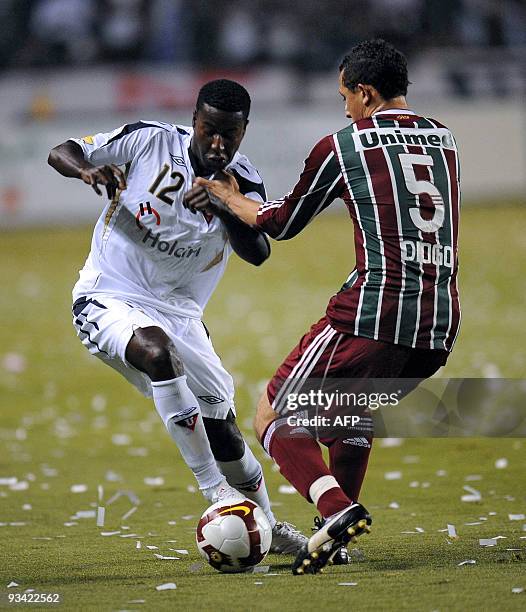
{"type": "Point", "coordinates": [179, 410]}
{"type": "Point", "coordinates": [246, 476]}
{"type": "Point", "coordinates": [348, 462]}
{"type": "Point", "coordinates": [300, 460]}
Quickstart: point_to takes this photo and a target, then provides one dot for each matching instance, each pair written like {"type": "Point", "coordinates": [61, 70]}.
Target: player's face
{"type": "Point", "coordinates": [217, 136]}
{"type": "Point", "coordinates": [354, 101]}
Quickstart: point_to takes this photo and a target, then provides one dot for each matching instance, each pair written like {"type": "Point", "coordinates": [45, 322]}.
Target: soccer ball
{"type": "Point", "coordinates": [234, 535]}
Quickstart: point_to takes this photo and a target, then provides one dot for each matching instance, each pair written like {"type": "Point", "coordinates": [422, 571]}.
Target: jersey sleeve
{"type": "Point", "coordinates": [120, 146]}
{"type": "Point", "coordinates": [319, 184]}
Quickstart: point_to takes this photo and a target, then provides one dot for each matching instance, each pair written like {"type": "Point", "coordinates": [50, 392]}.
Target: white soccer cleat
{"type": "Point", "coordinates": [223, 492]}
{"type": "Point", "coordinates": [286, 539]}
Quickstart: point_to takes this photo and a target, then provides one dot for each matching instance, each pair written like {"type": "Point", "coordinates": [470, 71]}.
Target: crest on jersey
{"type": "Point", "coordinates": [87, 139]}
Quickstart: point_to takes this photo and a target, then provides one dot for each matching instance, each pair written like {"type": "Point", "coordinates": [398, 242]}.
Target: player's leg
{"type": "Point", "coordinates": [214, 388]}
{"type": "Point", "coordinates": [130, 341]}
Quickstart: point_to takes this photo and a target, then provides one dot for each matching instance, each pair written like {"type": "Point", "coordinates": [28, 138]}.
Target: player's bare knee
{"type": "Point", "coordinates": [152, 351]}
{"type": "Point", "coordinates": [226, 441]}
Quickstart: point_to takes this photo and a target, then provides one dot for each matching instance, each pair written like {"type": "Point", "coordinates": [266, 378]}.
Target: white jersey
{"type": "Point", "coordinates": [146, 246]}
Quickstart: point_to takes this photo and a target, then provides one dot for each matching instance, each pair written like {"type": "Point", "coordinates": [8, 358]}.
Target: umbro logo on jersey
{"type": "Point", "coordinates": [177, 160]}
{"type": "Point", "coordinates": [361, 441]}
{"type": "Point", "coordinates": [147, 209]}
{"type": "Point", "coordinates": [211, 399]}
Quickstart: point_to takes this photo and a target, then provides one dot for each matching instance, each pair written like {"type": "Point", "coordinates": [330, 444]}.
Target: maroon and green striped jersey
{"type": "Point", "coordinates": [398, 174]}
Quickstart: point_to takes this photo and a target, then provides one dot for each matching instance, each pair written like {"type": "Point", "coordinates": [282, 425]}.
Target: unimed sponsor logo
{"type": "Point", "coordinates": [153, 240]}
{"type": "Point", "coordinates": [371, 139]}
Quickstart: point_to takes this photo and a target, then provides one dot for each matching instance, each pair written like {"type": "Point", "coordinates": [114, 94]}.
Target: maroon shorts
{"type": "Point", "coordinates": [325, 353]}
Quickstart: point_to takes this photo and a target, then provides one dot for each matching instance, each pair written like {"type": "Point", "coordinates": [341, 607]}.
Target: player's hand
{"type": "Point", "coordinates": [197, 199]}
{"type": "Point", "coordinates": [221, 188]}
{"type": "Point", "coordinates": [110, 176]}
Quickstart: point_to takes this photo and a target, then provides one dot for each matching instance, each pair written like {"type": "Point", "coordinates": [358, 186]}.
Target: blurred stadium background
{"type": "Point", "coordinates": [73, 67]}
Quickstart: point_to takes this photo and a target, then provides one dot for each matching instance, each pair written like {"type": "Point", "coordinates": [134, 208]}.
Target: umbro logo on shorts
{"type": "Point", "coordinates": [360, 441]}
{"type": "Point", "coordinates": [211, 399]}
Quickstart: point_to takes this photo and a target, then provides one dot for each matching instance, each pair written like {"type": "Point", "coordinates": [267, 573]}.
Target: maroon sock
{"type": "Point", "coordinates": [348, 462]}
{"type": "Point", "coordinates": [300, 460]}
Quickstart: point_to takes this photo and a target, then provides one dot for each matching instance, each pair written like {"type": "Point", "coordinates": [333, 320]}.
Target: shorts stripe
{"type": "Point", "coordinates": [308, 366]}
{"type": "Point", "coordinates": [305, 356]}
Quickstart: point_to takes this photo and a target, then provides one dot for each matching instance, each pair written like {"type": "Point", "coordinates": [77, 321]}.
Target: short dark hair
{"type": "Point", "coordinates": [376, 63]}
{"type": "Point", "coordinates": [225, 95]}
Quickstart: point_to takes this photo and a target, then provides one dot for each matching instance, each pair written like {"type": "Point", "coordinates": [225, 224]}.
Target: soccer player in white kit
{"type": "Point", "coordinates": [153, 265]}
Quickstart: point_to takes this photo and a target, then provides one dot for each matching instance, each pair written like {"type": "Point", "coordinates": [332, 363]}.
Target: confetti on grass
{"type": "Point", "coordinates": [101, 513]}
{"type": "Point", "coordinates": [12, 585]}
{"type": "Point", "coordinates": [165, 558]}
{"type": "Point", "coordinates": [286, 490]}
{"type": "Point", "coordinates": [517, 590]}
{"type": "Point", "coordinates": [467, 562]}
{"type": "Point", "coordinates": [393, 475]}
{"type": "Point", "coordinates": [347, 584]}
{"type": "Point", "coordinates": [516, 517]}
{"type": "Point", "coordinates": [129, 513]}
{"type": "Point", "coordinates": [488, 541]}
{"type": "Point", "coordinates": [472, 496]}
{"type": "Point", "coordinates": [167, 586]}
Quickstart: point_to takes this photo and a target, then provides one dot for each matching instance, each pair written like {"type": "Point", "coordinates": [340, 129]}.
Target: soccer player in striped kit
{"type": "Point", "coordinates": [398, 314]}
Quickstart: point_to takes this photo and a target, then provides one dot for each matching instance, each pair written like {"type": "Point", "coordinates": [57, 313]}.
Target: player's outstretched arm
{"type": "Point", "coordinates": [68, 159]}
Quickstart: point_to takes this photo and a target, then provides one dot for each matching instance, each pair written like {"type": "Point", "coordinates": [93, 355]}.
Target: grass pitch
{"type": "Point", "coordinates": [67, 420]}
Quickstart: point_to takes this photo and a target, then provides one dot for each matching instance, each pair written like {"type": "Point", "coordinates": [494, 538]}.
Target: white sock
{"type": "Point", "coordinates": [246, 476]}
{"type": "Point", "coordinates": [179, 410]}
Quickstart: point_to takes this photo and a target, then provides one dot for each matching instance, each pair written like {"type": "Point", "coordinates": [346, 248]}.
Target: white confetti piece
{"type": "Point", "coordinates": [394, 505]}
{"type": "Point", "coordinates": [101, 513]}
{"type": "Point", "coordinates": [188, 517]}
{"type": "Point", "coordinates": [165, 558]}
{"type": "Point", "coordinates": [83, 514]}
{"type": "Point", "coordinates": [420, 530]}
{"type": "Point", "coordinates": [347, 584]}
{"type": "Point", "coordinates": [70, 524]}
{"type": "Point", "coordinates": [414, 484]}
{"type": "Point", "coordinates": [166, 586]}
{"type": "Point", "coordinates": [98, 403]}
{"type": "Point", "coordinates": [191, 489]}
{"type": "Point", "coordinates": [127, 515]}
{"type": "Point", "coordinates": [138, 544]}
{"type": "Point", "coordinates": [120, 439]}
{"type": "Point", "coordinates": [393, 475]}
{"type": "Point", "coordinates": [258, 582]}
{"type": "Point", "coordinates": [152, 547]}
{"type": "Point", "coordinates": [411, 459]}
{"type": "Point", "coordinates": [112, 476]}
{"type": "Point", "coordinates": [516, 517]}
{"type": "Point", "coordinates": [27, 507]}
{"type": "Point", "coordinates": [488, 542]}
{"type": "Point", "coordinates": [172, 522]}
{"type": "Point", "coordinates": [501, 463]}
{"type": "Point", "coordinates": [391, 442]}
{"type": "Point", "coordinates": [109, 533]}
{"type": "Point", "coordinates": [17, 524]}
{"type": "Point", "coordinates": [467, 562]}
{"type": "Point", "coordinates": [441, 473]}
{"type": "Point", "coordinates": [154, 481]}
{"type": "Point", "coordinates": [100, 493]}
{"type": "Point", "coordinates": [12, 585]}
{"type": "Point", "coordinates": [137, 601]}
{"type": "Point", "coordinates": [261, 569]}
{"type": "Point", "coordinates": [14, 363]}
{"type": "Point", "coordinates": [78, 488]}
{"type": "Point", "coordinates": [517, 590]}
{"type": "Point", "coordinates": [9, 481]}
{"type": "Point", "coordinates": [473, 495]}
{"type": "Point", "coordinates": [286, 489]}
{"type": "Point", "coordinates": [451, 531]}
{"type": "Point", "coordinates": [474, 523]}
{"type": "Point", "coordinates": [183, 551]}
{"type": "Point", "coordinates": [472, 477]}
{"type": "Point", "coordinates": [130, 535]}
{"type": "Point", "coordinates": [21, 485]}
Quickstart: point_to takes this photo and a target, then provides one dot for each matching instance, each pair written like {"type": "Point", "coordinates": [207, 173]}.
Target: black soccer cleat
{"type": "Point", "coordinates": [340, 555]}
{"type": "Point", "coordinates": [332, 535]}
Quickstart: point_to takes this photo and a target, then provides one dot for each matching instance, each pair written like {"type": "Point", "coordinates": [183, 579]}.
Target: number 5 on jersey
{"type": "Point", "coordinates": [408, 161]}
{"type": "Point", "coordinates": [162, 194]}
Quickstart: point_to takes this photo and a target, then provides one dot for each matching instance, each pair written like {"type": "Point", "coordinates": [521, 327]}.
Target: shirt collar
{"type": "Point", "coordinates": [395, 111]}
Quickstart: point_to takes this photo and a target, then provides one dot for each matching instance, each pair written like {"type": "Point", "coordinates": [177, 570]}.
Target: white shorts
{"type": "Point", "coordinates": [105, 325]}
